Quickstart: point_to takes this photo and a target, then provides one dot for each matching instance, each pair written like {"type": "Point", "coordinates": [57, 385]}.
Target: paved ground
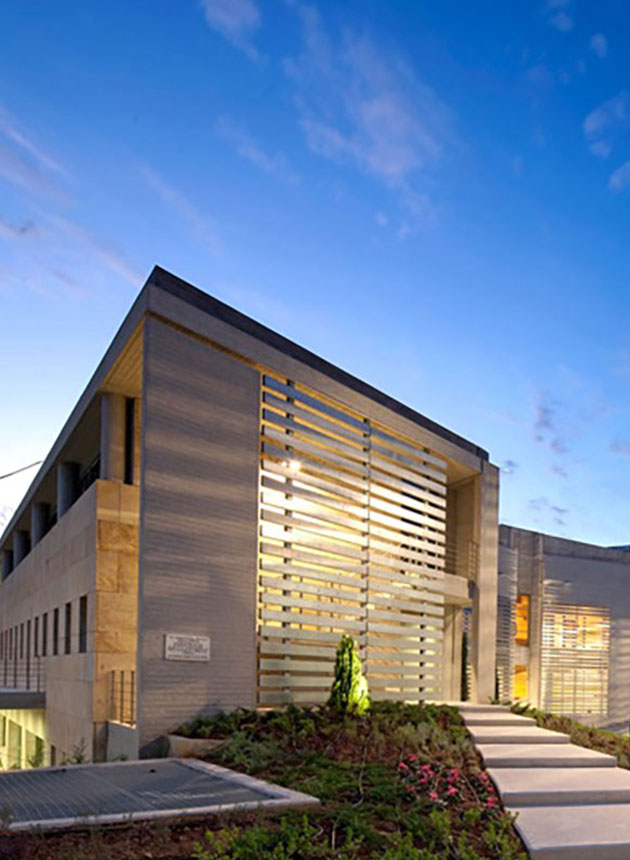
{"type": "Point", "coordinates": [59, 797]}
{"type": "Point", "coordinates": [571, 803]}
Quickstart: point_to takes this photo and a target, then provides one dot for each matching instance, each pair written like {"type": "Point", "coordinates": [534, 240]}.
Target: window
{"type": "Point", "coordinates": [21, 641]}
{"type": "Point", "coordinates": [520, 682]}
{"type": "Point", "coordinates": [55, 642]}
{"type": "Point", "coordinates": [68, 630]}
{"type": "Point", "coordinates": [129, 438]}
{"type": "Point", "coordinates": [44, 634]}
{"type": "Point", "coordinates": [83, 624]}
{"type": "Point", "coordinates": [36, 638]}
{"type": "Point", "coordinates": [522, 619]}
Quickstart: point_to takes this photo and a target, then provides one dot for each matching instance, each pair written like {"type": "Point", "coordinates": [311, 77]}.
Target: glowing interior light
{"type": "Point", "coordinates": [295, 465]}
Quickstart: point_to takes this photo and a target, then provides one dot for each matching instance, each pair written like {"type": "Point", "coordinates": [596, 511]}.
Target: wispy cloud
{"type": "Point", "coordinates": [25, 165]}
{"type": "Point", "coordinates": [599, 45]}
{"type": "Point", "coordinates": [235, 20]}
{"type": "Point", "coordinates": [555, 513]}
{"type": "Point", "coordinates": [558, 15]}
{"type": "Point", "coordinates": [603, 126]}
{"type": "Point", "coordinates": [619, 179]}
{"type": "Point", "coordinates": [202, 226]}
{"type": "Point", "coordinates": [509, 467]}
{"type": "Point", "coordinates": [104, 252]}
{"type": "Point", "coordinates": [620, 446]}
{"type": "Point", "coordinates": [361, 106]}
{"type": "Point", "coordinates": [250, 150]}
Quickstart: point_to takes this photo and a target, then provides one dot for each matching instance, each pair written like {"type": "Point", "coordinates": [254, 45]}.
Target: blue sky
{"type": "Point", "coordinates": [433, 195]}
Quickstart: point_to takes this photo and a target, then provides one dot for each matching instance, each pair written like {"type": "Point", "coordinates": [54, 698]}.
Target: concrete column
{"type": "Point", "coordinates": [40, 514]}
{"type": "Point", "coordinates": [21, 545]}
{"type": "Point", "coordinates": [113, 437]}
{"type": "Point", "coordinates": [67, 486]}
{"type": "Point", "coordinates": [484, 619]}
{"type": "Point", "coordinates": [7, 562]}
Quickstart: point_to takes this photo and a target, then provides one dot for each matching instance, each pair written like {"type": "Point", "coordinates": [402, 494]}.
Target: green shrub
{"type": "Point", "coordinates": [349, 693]}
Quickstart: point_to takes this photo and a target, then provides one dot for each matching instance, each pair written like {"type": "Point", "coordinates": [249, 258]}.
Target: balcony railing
{"type": "Point", "coordinates": [25, 675]}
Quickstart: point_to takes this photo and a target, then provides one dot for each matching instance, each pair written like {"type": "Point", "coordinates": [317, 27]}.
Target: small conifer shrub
{"type": "Point", "coordinates": [349, 693]}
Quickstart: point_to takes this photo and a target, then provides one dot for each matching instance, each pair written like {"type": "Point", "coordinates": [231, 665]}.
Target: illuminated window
{"type": "Point", "coordinates": [522, 619]}
{"type": "Point", "coordinates": [575, 659]}
{"type": "Point", "coordinates": [520, 682]}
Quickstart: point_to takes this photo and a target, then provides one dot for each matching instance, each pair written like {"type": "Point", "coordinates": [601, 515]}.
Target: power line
{"type": "Point", "coordinates": [23, 469]}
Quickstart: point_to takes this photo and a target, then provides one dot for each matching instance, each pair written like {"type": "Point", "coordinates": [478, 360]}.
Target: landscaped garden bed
{"type": "Point", "coordinates": [402, 782]}
{"type": "Point", "coordinates": [580, 734]}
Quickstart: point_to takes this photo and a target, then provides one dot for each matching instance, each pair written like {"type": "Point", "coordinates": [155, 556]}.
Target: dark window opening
{"type": "Point", "coordinates": [36, 639]}
{"type": "Point", "coordinates": [129, 438]}
{"type": "Point", "coordinates": [55, 642]}
{"type": "Point", "coordinates": [68, 630]}
{"type": "Point", "coordinates": [83, 624]}
{"type": "Point", "coordinates": [21, 641]}
{"type": "Point", "coordinates": [44, 634]}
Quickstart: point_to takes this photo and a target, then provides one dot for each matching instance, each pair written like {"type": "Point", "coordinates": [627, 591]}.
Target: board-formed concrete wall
{"type": "Point", "coordinates": [198, 532]}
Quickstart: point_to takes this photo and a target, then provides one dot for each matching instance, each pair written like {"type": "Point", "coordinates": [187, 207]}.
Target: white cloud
{"type": "Point", "coordinates": [599, 45]}
{"type": "Point", "coordinates": [604, 125]}
{"type": "Point", "coordinates": [203, 227]}
{"type": "Point", "coordinates": [558, 16]}
{"type": "Point", "coordinates": [619, 179]}
{"type": "Point", "coordinates": [361, 106]}
{"type": "Point", "coordinates": [249, 149]}
{"type": "Point", "coordinates": [601, 148]}
{"type": "Point", "coordinates": [235, 20]}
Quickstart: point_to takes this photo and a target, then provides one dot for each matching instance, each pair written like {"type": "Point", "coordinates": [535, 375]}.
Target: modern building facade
{"type": "Point", "coordinates": [220, 507]}
{"type": "Point", "coordinates": [563, 631]}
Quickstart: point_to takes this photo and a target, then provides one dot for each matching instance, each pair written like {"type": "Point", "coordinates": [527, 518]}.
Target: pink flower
{"type": "Point", "coordinates": [412, 757]}
{"type": "Point", "coordinates": [403, 766]}
{"type": "Point", "coordinates": [433, 795]}
{"type": "Point", "coordinates": [452, 790]}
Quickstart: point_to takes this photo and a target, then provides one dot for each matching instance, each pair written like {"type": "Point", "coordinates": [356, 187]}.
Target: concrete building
{"type": "Point", "coordinates": [220, 506]}
{"type": "Point", "coordinates": [563, 632]}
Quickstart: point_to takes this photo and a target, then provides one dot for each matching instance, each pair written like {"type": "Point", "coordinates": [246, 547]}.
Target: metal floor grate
{"type": "Point", "coordinates": [57, 797]}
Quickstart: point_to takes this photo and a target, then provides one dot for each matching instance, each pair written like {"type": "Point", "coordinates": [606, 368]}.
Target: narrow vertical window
{"type": "Point", "coordinates": [28, 654]}
{"type": "Point", "coordinates": [36, 638]}
{"type": "Point", "coordinates": [129, 438]}
{"type": "Point", "coordinates": [522, 619]}
{"type": "Point", "coordinates": [44, 634]}
{"type": "Point", "coordinates": [83, 624]}
{"type": "Point", "coordinates": [67, 647]}
{"type": "Point", "coordinates": [55, 642]}
{"type": "Point", "coordinates": [22, 641]}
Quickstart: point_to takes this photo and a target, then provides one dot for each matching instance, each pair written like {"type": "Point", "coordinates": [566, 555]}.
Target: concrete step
{"type": "Point", "coordinates": [599, 832]}
{"type": "Point", "coordinates": [476, 707]}
{"type": "Point", "coordinates": [500, 719]}
{"type": "Point", "coordinates": [516, 735]}
{"type": "Point", "coordinates": [543, 755]}
{"type": "Point", "coordinates": [551, 786]}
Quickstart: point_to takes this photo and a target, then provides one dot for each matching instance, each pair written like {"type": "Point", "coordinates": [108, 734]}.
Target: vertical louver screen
{"type": "Point", "coordinates": [352, 533]}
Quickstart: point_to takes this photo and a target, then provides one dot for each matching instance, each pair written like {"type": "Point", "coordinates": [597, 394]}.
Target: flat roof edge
{"type": "Point", "coordinates": [192, 295]}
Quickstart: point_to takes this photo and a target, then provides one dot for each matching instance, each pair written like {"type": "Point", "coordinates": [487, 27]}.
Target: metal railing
{"type": "Point", "coordinates": [122, 696]}
{"type": "Point", "coordinates": [23, 674]}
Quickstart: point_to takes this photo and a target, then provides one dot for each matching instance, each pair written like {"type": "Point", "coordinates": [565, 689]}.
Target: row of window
{"type": "Point", "coordinates": [15, 643]}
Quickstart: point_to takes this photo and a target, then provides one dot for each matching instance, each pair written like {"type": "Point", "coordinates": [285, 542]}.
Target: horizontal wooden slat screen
{"type": "Point", "coordinates": [575, 656]}
{"type": "Point", "coordinates": [352, 540]}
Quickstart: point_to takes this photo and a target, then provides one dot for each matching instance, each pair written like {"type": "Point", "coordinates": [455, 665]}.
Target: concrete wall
{"type": "Point", "coordinates": [92, 550]}
{"type": "Point", "coordinates": [198, 532]}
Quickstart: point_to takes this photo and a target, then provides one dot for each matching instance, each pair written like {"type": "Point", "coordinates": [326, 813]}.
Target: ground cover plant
{"type": "Point", "coordinates": [580, 734]}
{"type": "Point", "coordinates": [402, 782]}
